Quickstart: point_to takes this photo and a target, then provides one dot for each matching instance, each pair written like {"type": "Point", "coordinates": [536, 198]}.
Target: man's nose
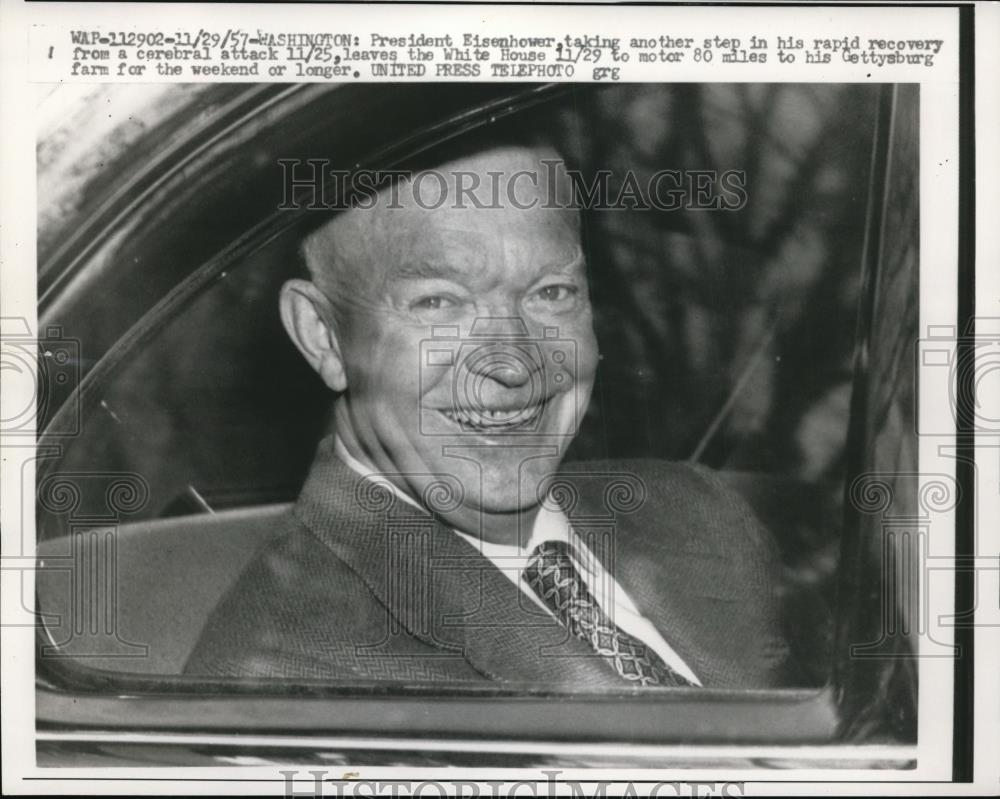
{"type": "Point", "coordinates": [508, 364]}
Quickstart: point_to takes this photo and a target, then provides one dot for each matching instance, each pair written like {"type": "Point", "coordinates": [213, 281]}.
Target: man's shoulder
{"type": "Point", "coordinates": [670, 479]}
{"type": "Point", "coordinates": [673, 499]}
{"type": "Point", "coordinates": [695, 559]}
{"type": "Point", "coordinates": [294, 590]}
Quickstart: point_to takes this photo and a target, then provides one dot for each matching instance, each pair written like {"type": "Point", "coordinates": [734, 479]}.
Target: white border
{"type": "Point", "coordinates": [22, 64]}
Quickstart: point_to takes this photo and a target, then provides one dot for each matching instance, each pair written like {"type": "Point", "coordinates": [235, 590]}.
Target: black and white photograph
{"type": "Point", "coordinates": [556, 395]}
{"type": "Point", "coordinates": [539, 420]}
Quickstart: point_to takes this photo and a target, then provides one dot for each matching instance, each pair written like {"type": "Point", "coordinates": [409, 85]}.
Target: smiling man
{"type": "Point", "coordinates": [438, 536]}
{"type": "Point", "coordinates": [456, 329]}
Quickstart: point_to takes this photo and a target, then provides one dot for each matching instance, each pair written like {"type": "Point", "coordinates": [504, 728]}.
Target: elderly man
{"type": "Point", "coordinates": [436, 538]}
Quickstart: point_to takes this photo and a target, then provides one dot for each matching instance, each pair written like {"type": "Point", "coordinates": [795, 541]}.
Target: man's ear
{"type": "Point", "coordinates": [307, 315]}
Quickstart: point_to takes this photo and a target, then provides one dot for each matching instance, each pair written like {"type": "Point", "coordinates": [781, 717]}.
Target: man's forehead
{"type": "Point", "coordinates": [476, 238]}
{"type": "Point", "coordinates": [440, 250]}
{"type": "Point", "coordinates": [432, 216]}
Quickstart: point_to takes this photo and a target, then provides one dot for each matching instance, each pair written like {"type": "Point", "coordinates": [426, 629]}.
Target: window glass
{"type": "Point", "coordinates": [725, 321]}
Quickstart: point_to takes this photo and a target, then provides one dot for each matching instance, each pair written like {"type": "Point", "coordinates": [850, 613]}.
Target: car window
{"type": "Point", "coordinates": [726, 326]}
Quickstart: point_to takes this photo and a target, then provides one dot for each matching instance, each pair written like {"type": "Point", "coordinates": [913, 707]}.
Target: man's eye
{"type": "Point", "coordinates": [433, 302]}
{"type": "Point", "coordinates": [557, 293]}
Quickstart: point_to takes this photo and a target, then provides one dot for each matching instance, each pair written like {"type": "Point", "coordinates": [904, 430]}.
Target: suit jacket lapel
{"type": "Point", "coordinates": [439, 588]}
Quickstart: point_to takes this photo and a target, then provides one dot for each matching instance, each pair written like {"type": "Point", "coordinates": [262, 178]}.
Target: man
{"type": "Point", "coordinates": [436, 538]}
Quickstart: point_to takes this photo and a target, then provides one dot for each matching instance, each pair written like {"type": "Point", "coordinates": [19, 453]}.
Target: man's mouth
{"type": "Point", "coordinates": [496, 420]}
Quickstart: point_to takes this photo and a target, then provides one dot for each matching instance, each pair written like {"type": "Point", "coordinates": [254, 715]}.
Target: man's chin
{"type": "Point", "coordinates": [508, 497]}
{"type": "Point", "coordinates": [504, 508]}
{"type": "Point", "coordinates": [505, 480]}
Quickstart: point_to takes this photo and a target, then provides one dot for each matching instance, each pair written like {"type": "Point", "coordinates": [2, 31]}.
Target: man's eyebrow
{"type": "Point", "coordinates": [427, 270]}
{"type": "Point", "coordinates": [442, 270]}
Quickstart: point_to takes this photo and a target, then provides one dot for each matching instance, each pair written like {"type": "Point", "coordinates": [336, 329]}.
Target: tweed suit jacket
{"type": "Point", "coordinates": [358, 585]}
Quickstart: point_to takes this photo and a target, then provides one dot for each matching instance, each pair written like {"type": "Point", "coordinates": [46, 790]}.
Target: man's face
{"type": "Point", "coordinates": [467, 338]}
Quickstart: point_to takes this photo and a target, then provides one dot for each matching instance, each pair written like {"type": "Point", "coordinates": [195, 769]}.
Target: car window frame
{"type": "Point", "coordinates": [71, 695]}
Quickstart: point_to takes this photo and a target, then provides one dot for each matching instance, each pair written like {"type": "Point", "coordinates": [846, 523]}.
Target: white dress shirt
{"type": "Point", "coordinates": [551, 524]}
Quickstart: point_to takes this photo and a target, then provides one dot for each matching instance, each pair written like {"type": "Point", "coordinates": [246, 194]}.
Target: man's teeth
{"type": "Point", "coordinates": [493, 418]}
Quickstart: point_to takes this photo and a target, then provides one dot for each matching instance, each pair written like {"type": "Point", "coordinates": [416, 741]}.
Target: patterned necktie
{"type": "Point", "coordinates": [553, 577]}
